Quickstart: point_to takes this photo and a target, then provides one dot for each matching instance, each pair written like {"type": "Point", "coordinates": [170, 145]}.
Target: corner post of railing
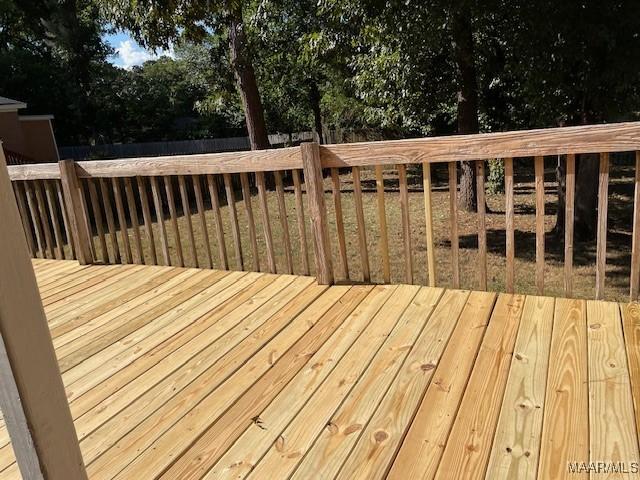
{"type": "Point", "coordinates": [317, 211]}
{"type": "Point", "coordinates": [76, 211]}
{"type": "Point", "coordinates": [32, 396]}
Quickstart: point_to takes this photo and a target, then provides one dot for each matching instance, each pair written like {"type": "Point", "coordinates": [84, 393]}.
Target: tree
{"type": "Point", "coordinates": [157, 23]}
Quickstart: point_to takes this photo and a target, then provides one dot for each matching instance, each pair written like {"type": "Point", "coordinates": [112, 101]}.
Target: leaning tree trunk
{"type": "Point", "coordinates": [246, 82]}
{"type": "Point", "coordinates": [463, 51]}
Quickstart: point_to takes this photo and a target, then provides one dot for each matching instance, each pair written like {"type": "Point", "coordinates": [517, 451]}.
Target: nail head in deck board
{"type": "Point", "coordinates": [612, 432]}
{"type": "Point", "coordinates": [469, 444]}
{"type": "Point", "coordinates": [565, 428]}
{"type": "Point", "coordinates": [516, 445]}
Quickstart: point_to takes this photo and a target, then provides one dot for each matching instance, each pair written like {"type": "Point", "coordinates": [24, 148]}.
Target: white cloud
{"type": "Point", "coordinates": [131, 54]}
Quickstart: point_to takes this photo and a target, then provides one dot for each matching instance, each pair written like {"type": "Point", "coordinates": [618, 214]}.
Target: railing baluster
{"type": "Point", "coordinates": [54, 219]}
{"type": "Point", "coordinates": [382, 220]}
{"type": "Point", "coordinates": [217, 218]}
{"type": "Point", "coordinates": [540, 230]}
{"type": "Point", "coordinates": [197, 190]}
{"type": "Point", "coordinates": [34, 218]}
{"type": "Point", "coordinates": [362, 234]}
{"type": "Point", "coordinates": [406, 228]}
{"type": "Point", "coordinates": [482, 228]}
{"type": "Point", "coordinates": [253, 239]}
{"type": "Point", "coordinates": [168, 188]}
{"type": "Point", "coordinates": [509, 225]}
{"type": "Point", "coordinates": [603, 204]}
{"type": "Point", "coordinates": [282, 210]}
{"type": "Point", "coordinates": [186, 212]}
{"type": "Point", "coordinates": [302, 230]}
{"type": "Point", "coordinates": [122, 220]}
{"type": "Point", "coordinates": [24, 216]}
{"type": "Point", "coordinates": [428, 216]}
{"type": "Point", "coordinates": [146, 214]}
{"type": "Point", "coordinates": [570, 190]}
{"type": "Point", "coordinates": [453, 223]}
{"type": "Point", "coordinates": [44, 218]}
{"type": "Point", "coordinates": [266, 224]}
{"type": "Point", "coordinates": [635, 243]}
{"type": "Point", "coordinates": [97, 215]}
{"type": "Point", "coordinates": [157, 203]}
{"type": "Point", "coordinates": [77, 210]}
{"type": "Point", "coordinates": [233, 214]}
{"type": "Point", "coordinates": [65, 219]}
{"type": "Point", "coordinates": [108, 211]}
{"type": "Point", "coordinates": [133, 214]}
{"type": "Point", "coordinates": [337, 202]}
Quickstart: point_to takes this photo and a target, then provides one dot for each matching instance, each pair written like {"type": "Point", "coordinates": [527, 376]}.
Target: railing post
{"type": "Point", "coordinates": [78, 220]}
{"type": "Point", "coordinates": [317, 212]}
{"type": "Point", "coordinates": [32, 395]}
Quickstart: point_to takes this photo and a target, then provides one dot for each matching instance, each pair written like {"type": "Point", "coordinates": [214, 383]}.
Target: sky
{"type": "Point", "coordinates": [129, 53]}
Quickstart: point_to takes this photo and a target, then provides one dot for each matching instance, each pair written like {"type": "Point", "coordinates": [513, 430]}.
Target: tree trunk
{"type": "Point", "coordinates": [314, 100]}
{"type": "Point", "coordinates": [246, 82]}
{"type": "Point", "coordinates": [463, 51]}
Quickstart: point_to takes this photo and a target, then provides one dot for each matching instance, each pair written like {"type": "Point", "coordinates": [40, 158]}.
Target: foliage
{"type": "Point", "coordinates": [495, 179]}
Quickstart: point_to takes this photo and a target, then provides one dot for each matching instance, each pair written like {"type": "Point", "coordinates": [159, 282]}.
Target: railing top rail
{"type": "Point", "coordinates": [617, 137]}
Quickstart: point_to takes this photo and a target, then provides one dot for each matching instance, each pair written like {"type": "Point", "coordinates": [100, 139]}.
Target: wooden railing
{"type": "Point", "coordinates": [124, 211]}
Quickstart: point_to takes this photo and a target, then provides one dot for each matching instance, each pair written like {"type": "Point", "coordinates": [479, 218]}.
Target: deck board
{"type": "Point", "coordinates": [184, 373]}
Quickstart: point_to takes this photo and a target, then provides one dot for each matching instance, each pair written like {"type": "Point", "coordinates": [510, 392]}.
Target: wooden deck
{"type": "Point", "coordinates": [183, 373]}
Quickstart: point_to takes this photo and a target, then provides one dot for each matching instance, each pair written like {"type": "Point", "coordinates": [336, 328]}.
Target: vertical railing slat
{"type": "Point", "coordinates": [382, 221]}
{"type": "Point", "coordinates": [108, 210]}
{"type": "Point", "coordinates": [406, 225]}
{"type": "Point", "coordinates": [44, 219]}
{"type": "Point", "coordinates": [570, 190]}
{"type": "Point", "coordinates": [168, 188]}
{"type": "Point", "coordinates": [186, 213]}
{"type": "Point", "coordinates": [362, 233]}
{"type": "Point", "coordinates": [233, 214]}
{"type": "Point", "coordinates": [282, 211]}
{"type": "Point", "coordinates": [146, 215]}
{"type": "Point", "coordinates": [453, 223]}
{"type": "Point", "coordinates": [509, 225]}
{"type": "Point", "coordinates": [24, 217]}
{"type": "Point", "coordinates": [302, 228]}
{"type": "Point", "coordinates": [634, 283]}
{"type": "Point", "coordinates": [337, 203]}
{"type": "Point", "coordinates": [133, 214]}
{"type": "Point", "coordinates": [35, 218]}
{"type": "Point", "coordinates": [603, 205]}
{"type": "Point", "coordinates": [97, 215]}
{"type": "Point", "coordinates": [266, 222]}
{"type": "Point", "coordinates": [253, 238]}
{"type": "Point", "coordinates": [428, 217]}
{"type": "Point", "coordinates": [540, 230]}
{"type": "Point", "coordinates": [217, 219]}
{"type": "Point", "coordinates": [157, 203]}
{"type": "Point", "coordinates": [65, 220]}
{"type": "Point", "coordinates": [197, 190]}
{"type": "Point", "coordinates": [482, 228]}
{"type": "Point", "coordinates": [122, 220]}
{"type": "Point", "coordinates": [53, 214]}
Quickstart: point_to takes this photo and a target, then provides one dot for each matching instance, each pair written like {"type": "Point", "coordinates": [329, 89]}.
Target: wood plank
{"type": "Point", "coordinates": [428, 214]}
{"type": "Point", "coordinates": [362, 234]}
{"type": "Point", "coordinates": [97, 216]}
{"type": "Point", "coordinates": [476, 420]}
{"type": "Point", "coordinates": [618, 137]}
{"type": "Point", "coordinates": [35, 219]}
{"type": "Point", "coordinates": [540, 230]}
{"type": "Point", "coordinates": [482, 228]}
{"type": "Point", "coordinates": [186, 213]}
{"type": "Point", "coordinates": [347, 349]}
{"type": "Point", "coordinates": [106, 202]}
{"type": "Point", "coordinates": [233, 215]}
{"type": "Point", "coordinates": [337, 203]}
{"type": "Point", "coordinates": [516, 445]}
{"type": "Point", "coordinates": [406, 224]}
{"type": "Point", "coordinates": [77, 211]}
{"type": "Point", "coordinates": [509, 225]}
{"type": "Point", "coordinates": [612, 431]}
{"type": "Point", "coordinates": [168, 189]}
{"type": "Point", "coordinates": [565, 428]}
{"type": "Point", "coordinates": [282, 211]}
{"type": "Point", "coordinates": [279, 365]}
{"type": "Point", "coordinates": [44, 219]}
{"type": "Point", "coordinates": [215, 206]}
{"type": "Point", "coordinates": [453, 223]}
{"type": "Point", "coordinates": [65, 221]}
{"type": "Point", "coordinates": [570, 186]}
{"type": "Point", "coordinates": [197, 190]}
{"type": "Point", "coordinates": [53, 214]}
{"type": "Point", "coordinates": [253, 239]}
{"type": "Point", "coordinates": [148, 221]}
{"type": "Point", "coordinates": [603, 207]}
{"type": "Point", "coordinates": [631, 329]}
{"type": "Point", "coordinates": [382, 221]}
{"type": "Point", "coordinates": [157, 202]}
{"type": "Point", "coordinates": [133, 214]}
{"type": "Point", "coordinates": [122, 220]}
{"type": "Point", "coordinates": [634, 284]}
{"type": "Point", "coordinates": [379, 442]}
{"type": "Point", "coordinates": [334, 401]}
{"type": "Point", "coordinates": [302, 226]}
{"type": "Point", "coordinates": [24, 216]}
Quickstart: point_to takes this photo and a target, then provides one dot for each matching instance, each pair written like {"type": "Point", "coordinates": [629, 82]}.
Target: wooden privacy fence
{"type": "Point", "coordinates": [104, 210]}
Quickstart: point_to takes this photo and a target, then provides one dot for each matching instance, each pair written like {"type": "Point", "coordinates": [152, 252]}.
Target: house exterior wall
{"type": "Point", "coordinates": [11, 132]}
{"type": "Point", "coordinates": [39, 142]}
